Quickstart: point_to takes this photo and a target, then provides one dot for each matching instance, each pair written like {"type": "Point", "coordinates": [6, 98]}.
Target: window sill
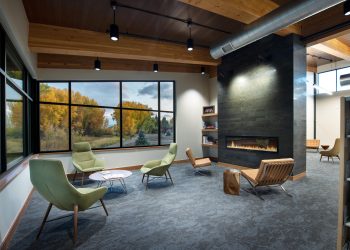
{"type": "Point", "coordinates": [8, 176]}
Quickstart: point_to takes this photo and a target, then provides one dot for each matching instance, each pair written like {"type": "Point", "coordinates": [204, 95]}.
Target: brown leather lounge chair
{"type": "Point", "coordinates": [197, 164]}
{"type": "Point", "coordinates": [333, 152]}
{"type": "Point", "coordinates": [270, 172]}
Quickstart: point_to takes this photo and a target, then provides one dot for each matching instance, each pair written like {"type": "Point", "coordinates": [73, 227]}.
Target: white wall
{"type": "Point", "coordinates": [12, 199]}
{"type": "Point", "coordinates": [14, 20]}
{"type": "Point", "coordinates": [309, 105]}
{"type": "Point", "coordinates": [328, 117]}
{"type": "Point", "coordinates": [192, 93]}
{"type": "Point", "coordinates": [328, 109]}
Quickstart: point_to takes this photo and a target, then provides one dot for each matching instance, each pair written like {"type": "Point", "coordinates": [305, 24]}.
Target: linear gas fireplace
{"type": "Point", "coordinates": [252, 143]}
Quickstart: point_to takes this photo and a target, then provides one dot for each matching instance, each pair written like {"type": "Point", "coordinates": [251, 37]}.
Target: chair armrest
{"type": "Point", "coordinates": [100, 163]}
{"type": "Point", "coordinates": [77, 166]}
{"type": "Point", "coordinates": [88, 196]}
{"type": "Point", "coordinates": [159, 170]}
{"type": "Point", "coordinates": [152, 164]}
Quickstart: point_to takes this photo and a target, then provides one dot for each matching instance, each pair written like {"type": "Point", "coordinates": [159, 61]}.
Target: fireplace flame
{"type": "Point", "coordinates": [255, 147]}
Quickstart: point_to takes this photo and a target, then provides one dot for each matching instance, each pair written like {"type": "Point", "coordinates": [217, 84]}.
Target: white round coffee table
{"type": "Point", "coordinates": [110, 176]}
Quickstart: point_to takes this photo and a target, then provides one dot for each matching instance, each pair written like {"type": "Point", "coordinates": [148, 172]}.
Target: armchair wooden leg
{"type": "Point", "coordinates": [320, 157]}
{"type": "Point", "coordinates": [143, 177]}
{"type": "Point", "coordinates": [147, 182]}
{"type": "Point", "coordinates": [75, 223]}
{"type": "Point", "coordinates": [170, 177]}
{"type": "Point", "coordinates": [44, 220]}
{"type": "Point", "coordinates": [338, 157]}
{"type": "Point", "coordinates": [104, 207]}
{"type": "Point", "coordinates": [75, 175]}
{"type": "Point", "coordinates": [82, 179]}
{"type": "Point", "coordinates": [166, 177]}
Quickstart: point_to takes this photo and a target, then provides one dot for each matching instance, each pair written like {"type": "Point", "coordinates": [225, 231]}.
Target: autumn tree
{"type": "Point", "coordinates": [136, 120]}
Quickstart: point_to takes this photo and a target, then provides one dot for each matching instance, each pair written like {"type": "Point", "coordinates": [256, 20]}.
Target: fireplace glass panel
{"type": "Point", "coordinates": [252, 143]}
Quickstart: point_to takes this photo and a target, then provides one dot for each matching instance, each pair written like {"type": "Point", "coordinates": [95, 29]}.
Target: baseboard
{"type": "Point", "coordinates": [6, 242]}
{"type": "Point", "coordinates": [130, 168]}
{"type": "Point", "coordinates": [298, 176]}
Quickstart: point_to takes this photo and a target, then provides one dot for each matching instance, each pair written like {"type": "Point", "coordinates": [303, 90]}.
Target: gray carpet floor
{"type": "Point", "coordinates": [195, 213]}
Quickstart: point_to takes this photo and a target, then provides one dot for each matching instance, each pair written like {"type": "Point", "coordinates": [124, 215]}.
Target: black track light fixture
{"type": "Point", "coordinates": [155, 67]}
{"type": "Point", "coordinates": [189, 40]}
{"type": "Point", "coordinates": [113, 28]}
{"type": "Point", "coordinates": [202, 70]}
{"type": "Point", "coordinates": [346, 8]}
{"type": "Point", "coordinates": [97, 64]}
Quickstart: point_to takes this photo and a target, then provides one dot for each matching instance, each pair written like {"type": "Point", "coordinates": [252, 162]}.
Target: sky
{"type": "Point", "coordinates": [107, 93]}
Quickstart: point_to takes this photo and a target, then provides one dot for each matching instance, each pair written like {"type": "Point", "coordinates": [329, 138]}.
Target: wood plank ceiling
{"type": "Point", "coordinates": [136, 20]}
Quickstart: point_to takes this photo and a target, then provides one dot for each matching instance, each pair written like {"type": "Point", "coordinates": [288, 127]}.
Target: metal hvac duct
{"type": "Point", "coordinates": [282, 17]}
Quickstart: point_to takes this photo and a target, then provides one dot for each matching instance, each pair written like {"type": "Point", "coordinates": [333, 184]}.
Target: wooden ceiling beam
{"type": "Point", "coordinates": [242, 10]}
{"type": "Point", "coordinates": [68, 41]}
{"type": "Point", "coordinates": [50, 61]}
{"type": "Point", "coordinates": [334, 47]}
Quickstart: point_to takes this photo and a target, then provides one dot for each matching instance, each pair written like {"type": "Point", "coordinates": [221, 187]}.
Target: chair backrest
{"type": "Point", "coordinates": [336, 148]}
{"type": "Point", "coordinates": [83, 155]}
{"type": "Point", "coordinates": [274, 171]}
{"type": "Point", "coordinates": [170, 156]}
{"type": "Point", "coordinates": [190, 156]}
{"type": "Point", "coordinates": [50, 180]}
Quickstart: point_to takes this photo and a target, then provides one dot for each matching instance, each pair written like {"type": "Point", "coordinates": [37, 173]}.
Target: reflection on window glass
{"type": "Point", "coordinates": [56, 92]}
{"type": "Point", "coordinates": [14, 71]}
{"type": "Point", "coordinates": [166, 96]}
{"type": "Point", "coordinates": [14, 125]}
{"type": "Point", "coordinates": [327, 81]}
{"type": "Point", "coordinates": [343, 79]}
{"type": "Point", "coordinates": [140, 128]}
{"type": "Point", "coordinates": [53, 127]}
{"type": "Point", "coordinates": [166, 128]}
{"type": "Point", "coordinates": [140, 95]}
{"type": "Point", "coordinates": [98, 126]}
{"type": "Point", "coordinates": [96, 93]}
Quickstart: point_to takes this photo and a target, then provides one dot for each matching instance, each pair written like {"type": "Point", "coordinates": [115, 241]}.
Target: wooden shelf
{"type": "Point", "coordinates": [210, 145]}
{"type": "Point", "coordinates": [210, 115]}
{"type": "Point", "coordinates": [209, 130]}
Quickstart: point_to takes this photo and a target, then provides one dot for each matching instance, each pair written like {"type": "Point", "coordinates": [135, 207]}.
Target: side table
{"type": "Point", "coordinates": [232, 181]}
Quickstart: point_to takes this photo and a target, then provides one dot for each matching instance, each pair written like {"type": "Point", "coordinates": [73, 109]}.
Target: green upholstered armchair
{"type": "Point", "coordinates": [84, 160]}
{"type": "Point", "coordinates": [159, 168]}
{"type": "Point", "coordinates": [50, 180]}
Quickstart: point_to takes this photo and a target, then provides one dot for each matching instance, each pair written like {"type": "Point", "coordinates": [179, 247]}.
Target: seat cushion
{"type": "Point", "coordinates": [202, 162]}
{"type": "Point", "coordinates": [250, 174]}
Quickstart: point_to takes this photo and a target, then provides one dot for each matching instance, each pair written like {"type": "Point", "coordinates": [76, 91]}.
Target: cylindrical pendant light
{"type": "Point", "coordinates": [97, 64]}
{"type": "Point", "coordinates": [113, 28]}
{"type": "Point", "coordinates": [155, 67]}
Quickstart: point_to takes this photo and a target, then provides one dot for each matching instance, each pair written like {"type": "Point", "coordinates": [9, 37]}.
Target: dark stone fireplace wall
{"type": "Point", "coordinates": [262, 93]}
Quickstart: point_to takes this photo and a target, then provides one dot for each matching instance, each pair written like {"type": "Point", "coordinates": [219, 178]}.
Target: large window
{"type": "Point", "coordinates": [333, 80]}
{"type": "Point", "coordinates": [107, 114]}
{"type": "Point", "coordinates": [16, 104]}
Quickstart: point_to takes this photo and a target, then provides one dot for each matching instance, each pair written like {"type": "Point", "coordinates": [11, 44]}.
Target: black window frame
{"type": "Point", "coordinates": [121, 108]}
{"type": "Point", "coordinates": [7, 48]}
